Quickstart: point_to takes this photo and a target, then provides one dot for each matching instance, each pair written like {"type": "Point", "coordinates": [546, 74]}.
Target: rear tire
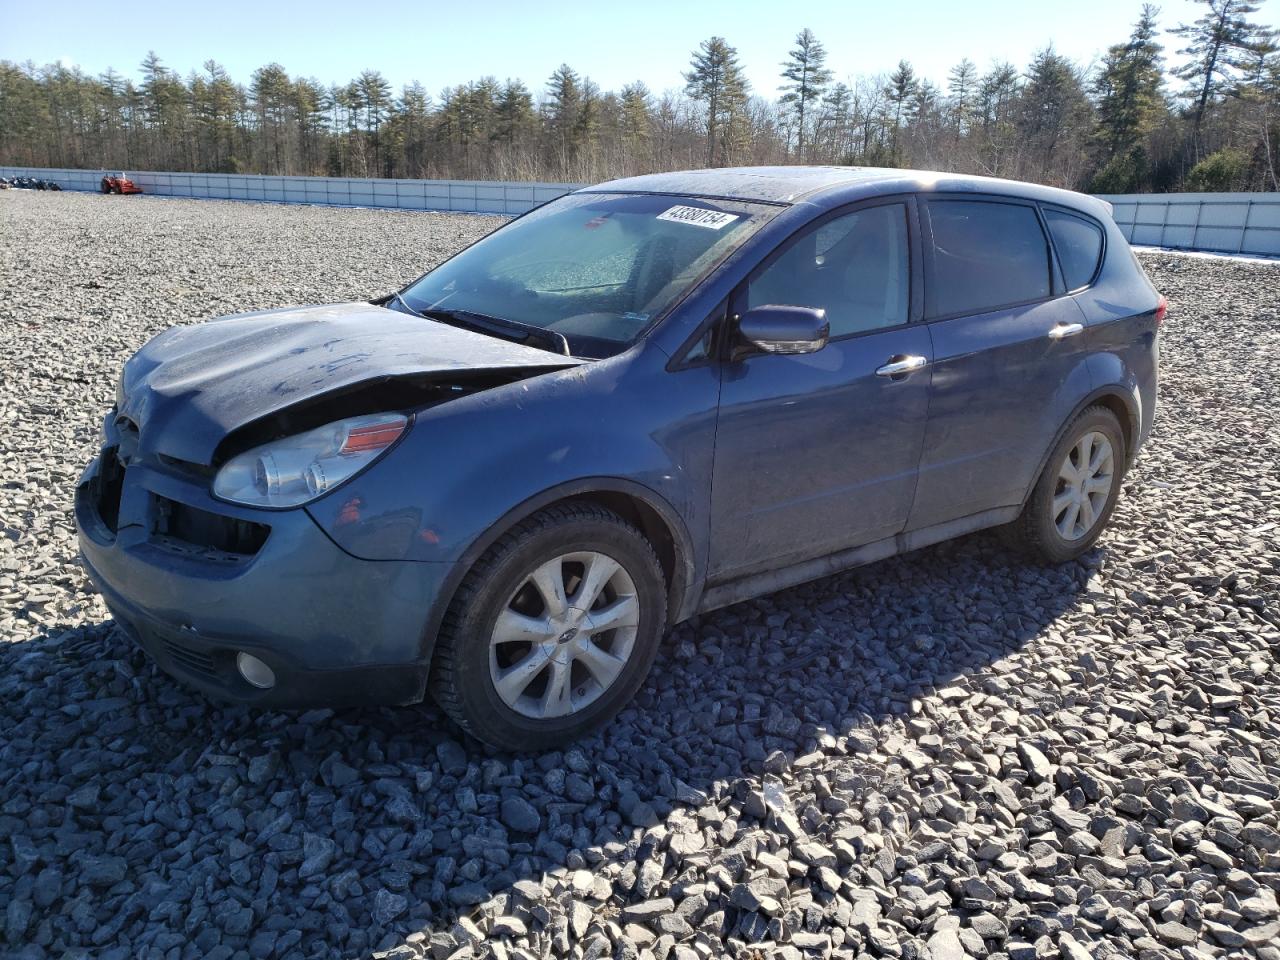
{"type": "Point", "coordinates": [552, 631]}
{"type": "Point", "coordinates": [1072, 500]}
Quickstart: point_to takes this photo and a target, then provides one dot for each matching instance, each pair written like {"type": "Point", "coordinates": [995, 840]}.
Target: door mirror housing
{"type": "Point", "coordinates": [784, 329]}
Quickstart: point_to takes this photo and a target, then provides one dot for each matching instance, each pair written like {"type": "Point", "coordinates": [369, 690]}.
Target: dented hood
{"type": "Point", "coordinates": [192, 386]}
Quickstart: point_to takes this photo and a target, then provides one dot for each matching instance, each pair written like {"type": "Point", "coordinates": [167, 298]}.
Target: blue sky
{"type": "Point", "coordinates": [448, 43]}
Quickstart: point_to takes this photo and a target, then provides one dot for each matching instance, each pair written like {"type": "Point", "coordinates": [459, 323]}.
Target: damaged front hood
{"type": "Point", "coordinates": [190, 387]}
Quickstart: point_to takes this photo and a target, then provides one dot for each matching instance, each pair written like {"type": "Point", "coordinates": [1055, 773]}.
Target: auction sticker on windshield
{"type": "Point", "coordinates": [698, 217]}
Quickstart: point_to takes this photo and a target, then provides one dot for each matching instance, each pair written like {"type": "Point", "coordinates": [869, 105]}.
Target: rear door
{"type": "Point", "coordinates": [1009, 355]}
{"type": "Point", "coordinates": [817, 453]}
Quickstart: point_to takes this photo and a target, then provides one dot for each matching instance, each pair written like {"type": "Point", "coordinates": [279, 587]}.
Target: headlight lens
{"type": "Point", "coordinates": [297, 470]}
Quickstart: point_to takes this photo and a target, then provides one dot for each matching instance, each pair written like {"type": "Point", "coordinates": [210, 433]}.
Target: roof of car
{"type": "Point", "coordinates": [791, 184]}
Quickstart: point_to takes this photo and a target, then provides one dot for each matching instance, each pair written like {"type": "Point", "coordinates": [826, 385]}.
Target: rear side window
{"type": "Point", "coordinates": [1079, 246]}
{"type": "Point", "coordinates": [985, 256]}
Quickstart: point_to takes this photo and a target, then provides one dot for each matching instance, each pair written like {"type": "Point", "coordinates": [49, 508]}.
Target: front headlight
{"type": "Point", "coordinates": [296, 470]}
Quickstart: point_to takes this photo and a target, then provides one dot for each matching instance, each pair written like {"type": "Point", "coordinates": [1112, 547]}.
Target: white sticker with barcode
{"type": "Point", "coordinates": [698, 217]}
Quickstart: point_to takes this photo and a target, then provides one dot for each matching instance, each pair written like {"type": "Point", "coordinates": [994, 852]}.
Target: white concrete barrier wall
{"type": "Point", "coordinates": [1217, 222]}
{"type": "Point", "coordinates": [469, 196]}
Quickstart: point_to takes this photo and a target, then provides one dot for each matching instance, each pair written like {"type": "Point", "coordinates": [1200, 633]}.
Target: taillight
{"type": "Point", "coordinates": [1162, 308]}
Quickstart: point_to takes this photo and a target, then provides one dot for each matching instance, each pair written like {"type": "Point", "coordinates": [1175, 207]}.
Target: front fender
{"type": "Point", "coordinates": [688, 572]}
{"type": "Point", "coordinates": [469, 465]}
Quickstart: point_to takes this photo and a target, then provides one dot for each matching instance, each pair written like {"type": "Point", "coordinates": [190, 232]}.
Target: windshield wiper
{"type": "Point", "coordinates": [395, 297]}
{"type": "Point", "coordinates": [525, 333]}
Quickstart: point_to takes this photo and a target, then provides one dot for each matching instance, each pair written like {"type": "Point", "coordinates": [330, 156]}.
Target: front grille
{"type": "Point", "coordinates": [197, 471]}
{"type": "Point", "coordinates": [128, 439]}
{"type": "Point", "coordinates": [108, 488]}
{"type": "Point", "coordinates": [193, 660]}
{"type": "Point", "coordinates": [178, 524]}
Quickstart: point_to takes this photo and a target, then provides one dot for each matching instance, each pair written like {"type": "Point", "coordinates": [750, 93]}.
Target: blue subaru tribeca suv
{"type": "Point", "coordinates": [647, 399]}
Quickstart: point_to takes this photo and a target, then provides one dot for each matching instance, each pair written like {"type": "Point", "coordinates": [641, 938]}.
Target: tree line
{"type": "Point", "coordinates": [1129, 123]}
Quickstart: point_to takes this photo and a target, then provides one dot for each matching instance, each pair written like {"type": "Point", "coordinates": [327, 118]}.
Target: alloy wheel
{"type": "Point", "coordinates": [1085, 479]}
{"type": "Point", "coordinates": [564, 636]}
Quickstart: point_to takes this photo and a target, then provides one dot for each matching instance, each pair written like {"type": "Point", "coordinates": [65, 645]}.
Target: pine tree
{"type": "Point", "coordinates": [1217, 43]}
{"type": "Point", "coordinates": [343, 125]}
{"type": "Point", "coordinates": [413, 129]}
{"type": "Point", "coordinates": [587, 126]}
{"type": "Point", "coordinates": [900, 92]}
{"type": "Point", "coordinates": [1055, 116]}
{"type": "Point", "coordinates": [996, 133]}
{"type": "Point", "coordinates": [514, 112]}
{"type": "Point", "coordinates": [1259, 93]}
{"type": "Point", "coordinates": [374, 98]}
{"type": "Point", "coordinates": [716, 81]}
{"type": "Point", "coordinates": [163, 102]}
{"type": "Point", "coordinates": [270, 91]}
{"type": "Point", "coordinates": [222, 103]}
{"type": "Point", "coordinates": [1117, 133]}
{"type": "Point", "coordinates": [482, 108]}
{"type": "Point", "coordinates": [1128, 87]}
{"type": "Point", "coordinates": [564, 104]}
{"type": "Point", "coordinates": [838, 112]}
{"type": "Point", "coordinates": [962, 95]}
{"type": "Point", "coordinates": [808, 75]}
{"type": "Point", "coordinates": [634, 107]}
{"type": "Point", "coordinates": [113, 142]}
{"type": "Point", "coordinates": [309, 115]}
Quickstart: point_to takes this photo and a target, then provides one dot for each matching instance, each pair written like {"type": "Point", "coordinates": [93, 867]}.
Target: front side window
{"type": "Point", "coordinates": [1079, 246]}
{"type": "Point", "coordinates": [855, 266]}
{"type": "Point", "coordinates": [596, 268]}
{"type": "Point", "coordinates": [985, 256]}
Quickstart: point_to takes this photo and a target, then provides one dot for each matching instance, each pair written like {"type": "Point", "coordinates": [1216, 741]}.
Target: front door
{"type": "Point", "coordinates": [818, 453]}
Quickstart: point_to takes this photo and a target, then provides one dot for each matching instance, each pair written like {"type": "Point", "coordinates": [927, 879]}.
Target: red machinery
{"type": "Point", "coordinates": [118, 183]}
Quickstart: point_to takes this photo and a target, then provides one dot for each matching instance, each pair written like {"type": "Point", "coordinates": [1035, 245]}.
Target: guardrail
{"type": "Point", "coordinates": [468, 196]}
{"type": "Point", "coordinates": [1215, 222]}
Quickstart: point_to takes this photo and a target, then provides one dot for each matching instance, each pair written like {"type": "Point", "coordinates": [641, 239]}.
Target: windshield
{"type": "Point", "coordinates": [595, 268]}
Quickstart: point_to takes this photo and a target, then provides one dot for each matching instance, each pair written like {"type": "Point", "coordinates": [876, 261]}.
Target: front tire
{"type": "Point", "coordinates": [1073, 499]}
{"type": "Point", "coordinates": [553, 630]}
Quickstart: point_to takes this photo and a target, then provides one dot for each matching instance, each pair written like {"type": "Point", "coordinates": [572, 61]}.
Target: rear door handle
{"type": "Point", "coordinates": [1065, 330]}
{"type": "Point", "coordinates": [900, 366]}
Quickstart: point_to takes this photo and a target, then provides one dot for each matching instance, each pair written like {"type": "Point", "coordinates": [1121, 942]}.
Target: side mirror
{"type": "Point", "coordinates": [782, 329]}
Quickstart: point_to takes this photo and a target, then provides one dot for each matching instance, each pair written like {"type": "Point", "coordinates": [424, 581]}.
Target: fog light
{"type": "Point", "coordinates": [255, 671]}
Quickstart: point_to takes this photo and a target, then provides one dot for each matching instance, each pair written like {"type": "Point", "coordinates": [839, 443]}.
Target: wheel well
{"type": "Point", "coordinates": [1116, 405]}
{"type": "Point", "coordinates": [1111, 401]}
{"type": "Point", "coordinates": [650, 523]}
{"type": "Point", "coordinates": [671, 551]}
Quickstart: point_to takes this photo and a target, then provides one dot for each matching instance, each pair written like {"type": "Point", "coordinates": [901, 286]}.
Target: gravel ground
{"type": "Point", "coordinates": [946, 755]}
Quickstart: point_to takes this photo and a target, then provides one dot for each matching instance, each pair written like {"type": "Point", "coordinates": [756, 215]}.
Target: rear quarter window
{"type": "Point", "coordinates": [986, 255]}
{"type": "Point", "coordinates": [1079, 245]}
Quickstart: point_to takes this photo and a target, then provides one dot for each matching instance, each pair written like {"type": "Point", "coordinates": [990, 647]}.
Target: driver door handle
{"type": "Point", "coordinates": [900, 366]}
{"type": "Point", "coordinates": [1065, 330]}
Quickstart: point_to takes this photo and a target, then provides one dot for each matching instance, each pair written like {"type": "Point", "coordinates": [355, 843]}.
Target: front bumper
{"type": "Point", "coordinates": [334, 629]}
